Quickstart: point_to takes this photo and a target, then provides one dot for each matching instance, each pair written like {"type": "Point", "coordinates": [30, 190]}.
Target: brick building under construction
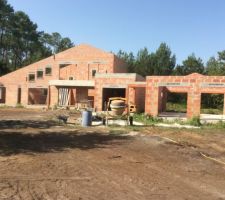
{"type": "Point", "coordinates": [87, 74]}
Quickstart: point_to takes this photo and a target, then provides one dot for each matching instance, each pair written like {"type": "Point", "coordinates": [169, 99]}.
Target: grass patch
{"type": "Point", "coordinates": [146, 119]}
{"type": "Point", "coordinates": [4, 106]}
{"type": "Point", "coordinates": [176, 107]}
{"type": "Point", "coordinates": [19, 105]}
{"type": "Point", "coordinates": [194, 121]}
{"type": "Point", "coordinates": [218, 125]}
{"type": "Point", "coordinates": [213, 111]}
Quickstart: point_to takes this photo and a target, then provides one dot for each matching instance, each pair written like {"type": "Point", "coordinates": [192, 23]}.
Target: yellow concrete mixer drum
{"type": "Point", "coordinates": [117, 107]}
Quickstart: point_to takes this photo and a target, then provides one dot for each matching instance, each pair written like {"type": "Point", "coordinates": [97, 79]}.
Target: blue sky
{"type": "Point", "coordinates": [187, 26]}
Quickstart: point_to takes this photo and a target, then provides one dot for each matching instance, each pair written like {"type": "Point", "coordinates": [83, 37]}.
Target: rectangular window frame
{"type": "Point", "coordinates": [93, 72]}
{"type": "Point", "coordinates": [38, 71]}
{"type": "Point", "coordinates": [46, 72]}
{"type": "Point", "coordinates": [29, 77]}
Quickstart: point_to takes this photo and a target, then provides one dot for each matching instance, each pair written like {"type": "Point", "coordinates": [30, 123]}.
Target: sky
{"type": "Point", "coordinates": [187, 26]}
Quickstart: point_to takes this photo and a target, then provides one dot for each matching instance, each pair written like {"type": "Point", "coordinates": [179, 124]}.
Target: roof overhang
{"type": "Point", "coordinates": [78, 83]}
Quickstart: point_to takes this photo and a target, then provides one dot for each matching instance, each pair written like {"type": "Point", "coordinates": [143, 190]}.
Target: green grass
{"type": "Point", "coordinates": [213, 111]}
{"type": "Point", "coordinates": [218, 125]}
{"type": "Point", "coordinates": [19, 105]}
{"type": "Point", "coordinates": [176, 107]}
{"type": "Point", "coordinates": [146, 119]}
{"type": "Point", "coordinates": [149, 120]}
{"type": "Point", "coordinates": [194, 121]}
{"type": "Point", "coordinates": [182, 108]}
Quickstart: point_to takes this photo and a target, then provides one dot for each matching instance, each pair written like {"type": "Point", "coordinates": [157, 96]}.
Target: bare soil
{"type": "Point", "coordinates": [41, 159]}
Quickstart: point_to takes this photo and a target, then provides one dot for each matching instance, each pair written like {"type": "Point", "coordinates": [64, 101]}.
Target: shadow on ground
{"type": "Point", "coordinates": [12, 143]}
{"type": "Point", "coordinates": [17, 124]}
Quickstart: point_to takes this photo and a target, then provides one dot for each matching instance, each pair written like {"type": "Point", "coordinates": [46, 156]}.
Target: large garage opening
{"type": "Point", "coordinates": [111, 92]}
{"type": "Point", "coordinates": [176, 104]}
{"type": "Point", "coordinates": [2, 94]}
{"type": "Point", "coordinates": [37, 96]}
{"type": "Point", "coordinates": [212, 104]}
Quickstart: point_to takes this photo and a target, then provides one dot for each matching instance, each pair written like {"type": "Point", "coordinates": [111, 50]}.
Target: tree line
{"type": "Point", "coordinates": [20, 41]}
{"type": "Point", "coordinates": [163, 62]}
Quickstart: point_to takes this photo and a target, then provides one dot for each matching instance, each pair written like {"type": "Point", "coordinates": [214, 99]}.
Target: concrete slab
{"type": "Point", "coordinates": [171, 116]}
{"type": "Point", "coordinates": [175, 125]}
{"type": "Point", "coordinates": [80, 83]}
{"type": "Point", "coordinates": [210, 118]}
{"type": "Point", "coordinates": [205, 118]}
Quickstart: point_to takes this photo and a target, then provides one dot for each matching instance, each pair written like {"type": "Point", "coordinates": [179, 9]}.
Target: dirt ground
{"type": "Point", "coordinates": [41, 159]}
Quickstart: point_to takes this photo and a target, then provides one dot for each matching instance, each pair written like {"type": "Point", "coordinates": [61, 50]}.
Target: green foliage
{"type": "Point", "coordinates": [20, 41]}
{"type": "Point", "coordinates": [55, 43]}
{"type": "Point", "coordinates": [214, 101]}
{"type": "Point", "coordinates": [213, 111]}
{"type": "Point", "coordinates": [191, 65]}
{"type": "Point", "coordinates": [161, 62]}
{"type": "Point", "coordinates": [4, 106]}
{"type": "Point", "coordinates": [146, 119]}
{"type": "Point", "coordinates": [176, 107]}
{"type": "Point", "coordinates": [218, 125]}
{"type": "Point", "coordinates": [194, 121]}
{"type": "Point", "coordinates": [221, 55]}
{"type": "Point", "coordinates": [19, 105]}
{"type": "Point", "coordinates": [215, 66]}
{"type": "Point", "coordinates": [165, 61]}
{"type": "Point", "coordinates": [128, 58]}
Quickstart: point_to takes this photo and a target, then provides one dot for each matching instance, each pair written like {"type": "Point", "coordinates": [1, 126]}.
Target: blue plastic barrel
{"type": "Point", "coordinates": [86, 118]}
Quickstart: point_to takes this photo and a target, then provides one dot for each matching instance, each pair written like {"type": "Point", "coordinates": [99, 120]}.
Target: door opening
{"type": "Point", "coordinates": [111, 92]}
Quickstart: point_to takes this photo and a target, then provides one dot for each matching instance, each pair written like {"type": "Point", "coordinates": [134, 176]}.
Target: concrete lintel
{"type": "Point", "coordinates": [115, 75]}
{"type": "Point", "coordinates": [115, 86]}
{"type": "Point", "coordinates": [67, 62]}
{"type": "Point", "coordinates": [79, 83]}
{"type": "Point", "coordinates": [137, 84]}
{"type": "Point", "coordinates": [97, 62]}
{"type": "Point", "coordinates": [214, 84]}
{"type": "Point", "coordinates": [173, 84]}
{"type": "Point", "coordinates": [37, 86]}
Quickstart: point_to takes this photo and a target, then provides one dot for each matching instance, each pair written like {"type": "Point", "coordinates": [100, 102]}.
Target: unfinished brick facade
{"type": "Point", "coordinates": [87, 73]}
{"type": "Point", "coordinates": [194, 85]}
{"type": "Point", "coordinates": [119, 82]}
{"type": "Point", "coordinates": [74, 70]}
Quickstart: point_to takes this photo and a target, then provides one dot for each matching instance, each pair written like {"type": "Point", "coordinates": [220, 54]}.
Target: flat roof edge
{"type": "Point", "coordinates": [78, 83]}
{"type": "Point", "coordinates": [116, 75]}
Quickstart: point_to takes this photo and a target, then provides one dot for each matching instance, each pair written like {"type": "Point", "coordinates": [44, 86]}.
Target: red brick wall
{"type": "Point", "coordinates": [83, 59]}
{"type": "Point", "coordinates": [53, 93]}
{"type": "Point", "coordinates": [81, 94]}
{"type": "Point", "coordinates": [36, 96]}
{"type": "Point", "coordinates": [140, 99]}
{"type": "Point", "coordinates": [107, 82]}
{"type": "Point", "coordinates": [120, 66]}
{"type": "Point", "coordinates": [68, 71]}
{"type": "Point", "coordinates": [19, 78]}
{"type": "Point", "coordinates": [192, 84]}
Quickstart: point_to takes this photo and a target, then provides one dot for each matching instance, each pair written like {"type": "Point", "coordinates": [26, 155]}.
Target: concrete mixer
{"type": "Point", "coordinates": [118, 108]}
